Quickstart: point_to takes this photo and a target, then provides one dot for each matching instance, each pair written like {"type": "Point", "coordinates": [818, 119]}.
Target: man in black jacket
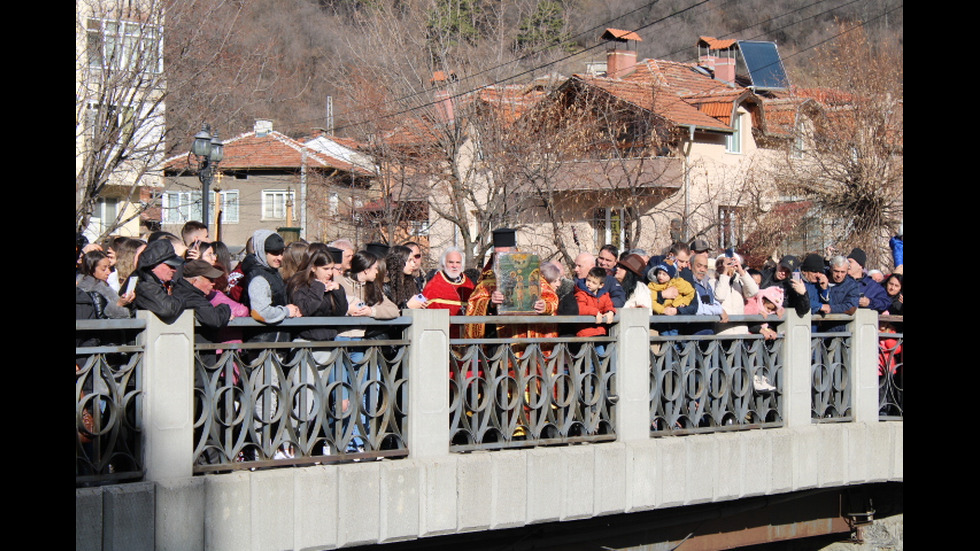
{"type": "Point", "coordinates": [157, 270]}
{"type": "Point", "coordinates": [193, 290]}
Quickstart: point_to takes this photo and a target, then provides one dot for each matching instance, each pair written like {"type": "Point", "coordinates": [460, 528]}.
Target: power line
{"type": "Point", "coordinates": [590, 48]}
{"type": "Point", "coordinates": [530, 70]}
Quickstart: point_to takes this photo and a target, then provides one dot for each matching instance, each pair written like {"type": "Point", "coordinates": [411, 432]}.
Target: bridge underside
{"type": "Point", "coordinates": [710, 526]}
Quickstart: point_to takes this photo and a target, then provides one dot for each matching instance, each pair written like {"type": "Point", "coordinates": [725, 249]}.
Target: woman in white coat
{"type": "Point", "coordinates": [732, 286]}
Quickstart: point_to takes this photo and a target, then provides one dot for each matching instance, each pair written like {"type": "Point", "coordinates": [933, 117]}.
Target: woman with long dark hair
{"type": "Point", "coordinates": [402, 287]}
{"type": "Point", "coordinates": [363, 286]}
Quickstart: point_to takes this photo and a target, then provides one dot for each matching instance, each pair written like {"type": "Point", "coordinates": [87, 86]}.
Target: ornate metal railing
{"type": "Point", "coordinates": [891, 368]}
{"type": "Point", "coordinates": [830, 369]}
{"type": "Point", "coordinates": [519, 392]}
{"type": "Point", "coordinates": [108, 370]}
{"type": "Point", "coordinates": [708, 383]}
{"type": "Point", "coordinates": [299, 402]}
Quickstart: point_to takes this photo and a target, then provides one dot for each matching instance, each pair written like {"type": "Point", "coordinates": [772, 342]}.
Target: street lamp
{"type": "Point", "coordinates": [209, 151]}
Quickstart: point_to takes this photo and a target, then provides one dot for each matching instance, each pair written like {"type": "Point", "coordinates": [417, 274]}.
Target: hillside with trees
{"type": "Point", "coordinates": [288, 60]}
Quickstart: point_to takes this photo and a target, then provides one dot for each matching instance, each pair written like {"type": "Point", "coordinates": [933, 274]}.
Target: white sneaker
{"type": "Point", "coordinates": [761, 384]}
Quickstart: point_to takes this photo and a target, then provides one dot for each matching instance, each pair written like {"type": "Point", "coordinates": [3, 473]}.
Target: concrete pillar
{"type": "Point", "coordinates": [428, 383]}
{"type": "Point", "coordinates": [632, 335]}
{"type": "Point", "coordinates": [168, 397]}
{"type": "Point", "coordinates": [864, 366]}
{"type": "Point", "coordinates": [797, 368]}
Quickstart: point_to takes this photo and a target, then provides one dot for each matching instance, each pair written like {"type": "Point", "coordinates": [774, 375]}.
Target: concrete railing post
{"type": "Point", "coordinates": [864, 366]}
{"type": "Point", "coordinates": [428, 383]}
{"type": "Point", "coordinates": [632, 335]}
{"type": "Point", "coordinates": [168, 397]}
{"type": "Point", "coordinates": [797, 369]}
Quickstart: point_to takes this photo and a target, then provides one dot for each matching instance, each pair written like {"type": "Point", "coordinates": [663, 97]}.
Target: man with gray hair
{"type": "Point", "coordinates": [449, 288]}
{"type": "Point", "coordinates": [347, 246]}
{"type": "Point", "coordinates": [839, 292]}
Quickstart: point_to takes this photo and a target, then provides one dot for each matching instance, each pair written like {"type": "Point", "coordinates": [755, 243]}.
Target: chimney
{"type": "Point", "coordinates": [718, 56]}
{"type": "Point", "coordinates": [262, 127]}
{"type": "Point", "coordinates": [618, 62]}
{"type": "Point", "coordinates": [442, 99]}
{"type": "Point", "coordinates": [619, 58]}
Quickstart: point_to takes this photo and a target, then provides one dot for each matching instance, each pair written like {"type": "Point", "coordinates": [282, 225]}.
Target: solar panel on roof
{"type": "Point", "coordinates": [764, 64]}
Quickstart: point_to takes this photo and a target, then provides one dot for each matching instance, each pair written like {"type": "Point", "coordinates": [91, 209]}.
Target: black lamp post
{"type": "Point", "coordinates": [209, 151]}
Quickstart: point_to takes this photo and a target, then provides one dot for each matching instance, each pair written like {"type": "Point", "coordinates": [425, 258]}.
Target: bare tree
{"type": "Point", "coordinates": [848, 158]}
{"type": "Point", "coordinates": [428, 115]}
{"type": "Point", "coordinates": [148, 74]}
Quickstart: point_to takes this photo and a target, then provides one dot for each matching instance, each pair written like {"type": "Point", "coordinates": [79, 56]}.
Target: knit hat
{"type": "Point", "coordinates": [669, 269]}
{"type": "Point", "coordinates": [274, 244]}
{"type": "Point", "coordinates": [812, 263]}
{"type": "Point", "coordinates": [858, 256]}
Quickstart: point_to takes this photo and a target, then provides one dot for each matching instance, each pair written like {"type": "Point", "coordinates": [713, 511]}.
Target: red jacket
{"type": "Point", "coordinates": [590, 305]}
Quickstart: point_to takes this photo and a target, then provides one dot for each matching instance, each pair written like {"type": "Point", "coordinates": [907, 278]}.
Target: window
{"type": "Point", "coordinates": [113, 122]}
{"type": "Point", "coordinates": [610, 224]}
{"type": "Point", "coordinates": [124, 45]}
{"type": "Point", "coordinates": [733, 142]}
{"type": "Point", "coordinates": [229, 206]}
{"type": "Point", "coordinates": [181, 206]}
{"type": "Point", "coordinates": [103, 215]}
{"type": "Point", "coordinates": [274, 203]}
{"type": "Point", "coordinates": [729, 227]}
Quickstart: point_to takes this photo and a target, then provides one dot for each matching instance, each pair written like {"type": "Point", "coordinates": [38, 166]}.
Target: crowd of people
{"type": "Point", "coordinates": [167, 274]}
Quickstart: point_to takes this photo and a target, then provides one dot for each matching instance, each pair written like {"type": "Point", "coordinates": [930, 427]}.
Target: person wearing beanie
{"type": "Point", "coordinates": [264, 287]}
{"type": "Point", "coordinates": [664, 277]}
{"type": "Point", "coordinates": [873, 295]}
{"type": "Point", "coordinates": [795, 293]}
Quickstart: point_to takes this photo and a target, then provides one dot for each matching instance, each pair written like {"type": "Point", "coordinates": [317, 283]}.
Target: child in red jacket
{"type": "Point", "coordinates": [590, 303]}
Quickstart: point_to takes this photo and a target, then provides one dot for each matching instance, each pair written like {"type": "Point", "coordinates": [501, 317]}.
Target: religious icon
{"type": "Point", "coordinates": [518, 275]}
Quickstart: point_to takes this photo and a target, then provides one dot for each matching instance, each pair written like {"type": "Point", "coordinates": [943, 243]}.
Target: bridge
{"type": "Point", "coordinates": [418, 438]}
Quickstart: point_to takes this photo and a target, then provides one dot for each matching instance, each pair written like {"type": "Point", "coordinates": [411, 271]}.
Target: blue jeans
{"type": "Point", "coordinates": [366, 402]}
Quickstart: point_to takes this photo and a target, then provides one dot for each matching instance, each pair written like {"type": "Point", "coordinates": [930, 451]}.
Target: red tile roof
{"type": "Point", "coordinates": [716, 43]}
{"type": "Point", "coordinates": [268, 151]}
{"type": "Point", "coordinates": [617, 34]}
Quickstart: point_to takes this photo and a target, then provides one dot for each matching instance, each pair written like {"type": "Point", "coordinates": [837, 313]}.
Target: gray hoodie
{"type": "Point", "coordinates": [259, 289]}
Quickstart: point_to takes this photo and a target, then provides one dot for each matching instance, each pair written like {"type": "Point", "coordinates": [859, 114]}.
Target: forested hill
{"type": "Point", "coordinates": [286, 60]}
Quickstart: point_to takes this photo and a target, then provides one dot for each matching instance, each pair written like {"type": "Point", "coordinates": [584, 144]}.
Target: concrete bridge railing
{"type": "Point", "coordinates": [435, 491]}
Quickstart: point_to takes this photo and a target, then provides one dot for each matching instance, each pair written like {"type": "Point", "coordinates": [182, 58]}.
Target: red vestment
{"type": "Point", "coordinates": [446, 294]}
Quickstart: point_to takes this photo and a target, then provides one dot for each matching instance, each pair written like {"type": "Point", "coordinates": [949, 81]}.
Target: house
{"type": "Point", "coordinates": [644, 154]}
{"type": "Point", "coordinates": [267, 180]}
{"type": "Point", "coordinates": [119, 114]}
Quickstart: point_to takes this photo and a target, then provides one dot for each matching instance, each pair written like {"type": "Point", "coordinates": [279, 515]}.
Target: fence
{"type": "Point", "coordinates": [150, 404]}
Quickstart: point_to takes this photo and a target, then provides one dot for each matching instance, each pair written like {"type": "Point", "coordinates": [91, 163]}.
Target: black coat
{"type": "Point", "coordinates": [151, 293]}
{"type": "Point", "coordinates": [314, 301]}
{"type": "Point", "coordinates": [210, 317]}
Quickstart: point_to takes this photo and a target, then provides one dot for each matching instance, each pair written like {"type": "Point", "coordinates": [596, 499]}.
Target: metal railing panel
{"type": "Point", "coordinates": [707, 383]}
{"type": "Point", "coordinates": [300, 402]}
{"type": "Point", "coordinates": [831, 378]}
{"type": "Point", "coordinates": [891, 368]}
{"type": "Point", "coordinates": [523, 392]}
{"type": "Point", "coordinates": [108, 369]}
